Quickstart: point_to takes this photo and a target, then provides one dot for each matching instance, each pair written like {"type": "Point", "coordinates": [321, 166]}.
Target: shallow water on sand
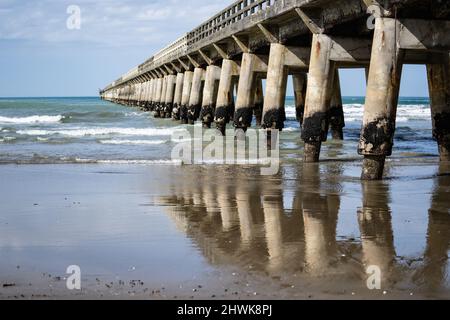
{"type": "Point", "coordinates": [95, 190]}
{"type": "Point", "coordinates": [310, 231]}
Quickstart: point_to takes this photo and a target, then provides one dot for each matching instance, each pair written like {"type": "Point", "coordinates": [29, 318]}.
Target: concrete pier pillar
{"type": "Point", "coordinates": [153, 95]}
{"type": "Point", "coordinates": [150, 94]}
{"type": "Point", "coordinates": [299, 82]}
{"type": "Point", "coordinates": [158, 95]}
{"type": "Point", "coordinates": [177, 96]}
{"type": "Point", "coordinates": [439, 87]}
{"type": "Point", "coordinates": [336, 112]}
{"type": "Point", "coordinates": [185, 96]}
{"type": "Point", "coordinates": [259, 102]}
{"type": "Point", "coordinates": [210, 91]}
{"type": "Point", "coordinates": [131, 90]}
{"type": "Point", "coordinates": [137, 94]}
{"type": "Point", "coordinates": [195, 99]}
{"type": "Point", "coordinates": [274, 100]}
{"type": "Point", "coordinates": [318, 97]}
{"type": "Point", "coordinates": [246, 91]}
{"type": "Point", "coordinates": [225, 95]}
{"type": "Point", "coordinates": [159, 111]}
{"type": "Point", "coordinates": [377, 136]}
{"type": "Point", "coordinates": [131, 94]}
{"type": "Point", "coordinates": [142, 86]}
{"type": "Point", "coordinates": [170, 92]}
{"type": "Point", "coordinates": [143, 95]}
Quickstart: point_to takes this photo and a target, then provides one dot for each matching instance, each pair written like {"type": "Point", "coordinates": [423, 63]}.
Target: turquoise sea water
{"type": "Point", "coordinates": [72, 130]}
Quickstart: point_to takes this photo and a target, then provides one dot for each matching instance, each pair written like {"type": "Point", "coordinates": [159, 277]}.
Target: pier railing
{"type": "Point", "coordinates": [209, 31]}
{"type": "Point", "coordinates": [237, 11]}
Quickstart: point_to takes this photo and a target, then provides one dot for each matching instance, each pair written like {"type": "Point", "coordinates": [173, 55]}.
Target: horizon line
{"type": "Point", "coordinates": [60, 97]}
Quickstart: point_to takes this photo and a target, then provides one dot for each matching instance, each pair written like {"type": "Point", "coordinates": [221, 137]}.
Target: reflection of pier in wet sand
{"type": "Point", "coordinates": [290, 231]}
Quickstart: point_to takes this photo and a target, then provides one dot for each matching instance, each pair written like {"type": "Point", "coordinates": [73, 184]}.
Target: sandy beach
{"type": "Point", "coordinates": [224, 232]}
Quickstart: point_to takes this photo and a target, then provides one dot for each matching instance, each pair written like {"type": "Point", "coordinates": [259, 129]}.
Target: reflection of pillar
{"type": "Point", "coordinates": [210, 198]}
{"type": "Point", "coordinates": [376, 229]}
{"type": "Point", "coordinates": [319, 233]}
{"type": "Point", "coordinates": [185, 190]}
{"type": "Point", "coordinates": [246, 223]}
{"type": "Point", "coordinates": [380, 109]}
{"type": "Point", "coordinates": [439, 86]}
{"type": "Point", "coordinates": [435, 271]}
{"type": "Point", "coordinates": [227, 207]}
{"type": "Point", "coordinates": [273, 212]}
{"type": "Point", "coordinates": [320, 220]}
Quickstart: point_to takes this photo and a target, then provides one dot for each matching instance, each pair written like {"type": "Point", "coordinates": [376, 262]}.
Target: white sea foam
{"type": "Point", "coordinates": [32, 119]}
{"type": "Point", "coordinates": [133, 142]}
{"type": "Point", "coordinates": [81, 132]}
{"type": "Point", "coordinates": [355, 112]}
{"type": "Point", "coordinates": [6, 139]}
{"type": "Point", "coordinates": [291, 129]}
{"type": "Point", "coordinates": [142, 162]}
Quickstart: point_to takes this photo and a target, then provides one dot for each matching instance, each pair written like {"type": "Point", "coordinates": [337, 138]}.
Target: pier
{"type": "Point", "coordinates": [214, 73]}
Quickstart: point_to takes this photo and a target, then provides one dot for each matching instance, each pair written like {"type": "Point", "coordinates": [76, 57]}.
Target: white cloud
{"type": "Point", "coordinates": [108, 23]}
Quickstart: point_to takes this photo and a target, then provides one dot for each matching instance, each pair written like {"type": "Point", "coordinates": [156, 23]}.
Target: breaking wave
{"type": "Point", "coordinates": [32, 119]}
{"type": "Point", "coordinates": [82, 132]}
{"type": "Point", "coordinates": [133, 142]}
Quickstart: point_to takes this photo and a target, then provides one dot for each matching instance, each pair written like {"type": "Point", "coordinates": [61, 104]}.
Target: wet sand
{"type": "Point", "coordinates": [225, 232]}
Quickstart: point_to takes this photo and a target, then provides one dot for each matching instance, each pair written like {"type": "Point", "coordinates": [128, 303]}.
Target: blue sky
{"type": "Point", "coordinates": [40, 56]}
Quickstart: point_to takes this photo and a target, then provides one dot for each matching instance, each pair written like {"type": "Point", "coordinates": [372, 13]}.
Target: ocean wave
{"type": "Point", "coordinates": [354, 112]}
{"type": "Point", "coordinates": [44, 159]}
{"type": "Point", "coordinates": [142, 162]}
{"type": "Point", "coordinates": [92, 116]}
{"type": "Point", "coordinates": [133, 142]}
{"type": "Point", "coordinates": [291, 129]}
{"type": "Point", "coordinates": [82, 132]}
{"type": "Point", "coordinates": [32, 119]}
{"type": "Point", "coordinates": [7, 139]}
